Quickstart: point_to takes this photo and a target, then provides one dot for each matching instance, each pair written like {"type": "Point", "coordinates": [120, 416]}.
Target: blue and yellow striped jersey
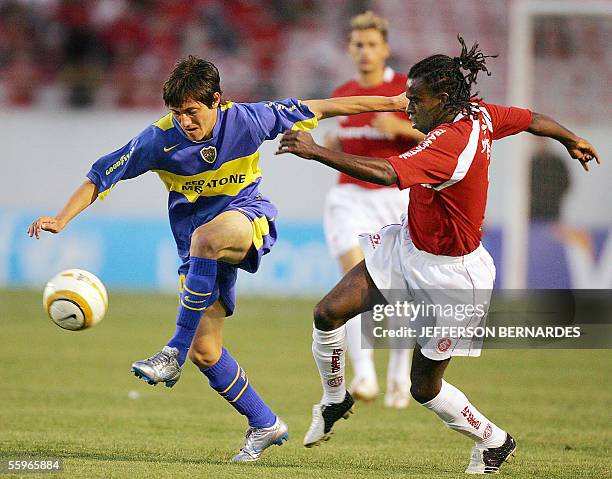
{"type": "Point", "coordinates": [208, 177]}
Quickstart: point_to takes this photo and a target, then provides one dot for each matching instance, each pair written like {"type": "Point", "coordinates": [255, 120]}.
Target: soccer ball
{"type": "Point", "coordinates": [75, 299]}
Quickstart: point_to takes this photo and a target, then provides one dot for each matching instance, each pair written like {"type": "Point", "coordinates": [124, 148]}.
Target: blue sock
{"type": "Point", "coordinates": [231, 382]}
{"type": "Point", "coordinates": [195, 298]}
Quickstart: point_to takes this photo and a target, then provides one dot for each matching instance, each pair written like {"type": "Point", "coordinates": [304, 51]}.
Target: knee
{"type": "Point", "coordinates": [203, 244]}
{"type": "Point", "coordinates": [325, 318]}
{"type": "Point", "coordinates": [423, 388]}
{"type": "Point", "coordinates": [204, 357]}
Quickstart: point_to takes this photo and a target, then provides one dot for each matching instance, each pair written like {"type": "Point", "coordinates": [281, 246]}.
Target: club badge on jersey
{"type": "Point", "coordinates": [209, 154]}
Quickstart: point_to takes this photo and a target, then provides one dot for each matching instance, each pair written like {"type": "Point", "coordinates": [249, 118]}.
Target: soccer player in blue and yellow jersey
{"type": "Point", "coordinates": [206, 153]}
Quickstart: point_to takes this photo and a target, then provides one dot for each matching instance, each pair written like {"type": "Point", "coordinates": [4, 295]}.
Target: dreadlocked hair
{"type": "Point", "coordinates": [445, 74]}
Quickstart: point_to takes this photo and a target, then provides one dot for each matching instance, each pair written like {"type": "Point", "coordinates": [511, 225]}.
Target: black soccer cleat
{"type": "Point", "coordinates": [488, 461]}
{"type": "Point", "coordinates": [324, 416]}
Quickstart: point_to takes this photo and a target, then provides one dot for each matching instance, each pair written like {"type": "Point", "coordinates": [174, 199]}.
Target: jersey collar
{"type": "Point", "coordinates": [388, 75]}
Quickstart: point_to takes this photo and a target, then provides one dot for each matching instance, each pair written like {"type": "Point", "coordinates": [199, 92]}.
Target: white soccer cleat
{"type": "Point", "coordinates": [397, 395]}
{"type": "Point", "coordinates": [364, 389]}
{"type": "Point", "coordinates": [259, 439]}
{"type": "Point", "coordinates": [488, 461]}
{"type": "Point", "coordinates": [324, 416]}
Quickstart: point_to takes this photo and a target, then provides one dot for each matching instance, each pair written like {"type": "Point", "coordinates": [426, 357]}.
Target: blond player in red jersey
{"type": "Point", "coordinates": [355, 206]}
{"type": "Point", "coordinates": [436, 248]}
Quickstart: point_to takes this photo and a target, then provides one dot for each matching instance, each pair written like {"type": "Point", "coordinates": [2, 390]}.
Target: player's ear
{"type": "Point", "coordinates": [216, 100]}
{"type": "Point", "coordinates": [443, 97]}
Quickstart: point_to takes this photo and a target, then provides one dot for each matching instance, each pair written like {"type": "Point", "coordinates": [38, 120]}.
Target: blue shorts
{"type": "Point", "coordinates": [261, 213]}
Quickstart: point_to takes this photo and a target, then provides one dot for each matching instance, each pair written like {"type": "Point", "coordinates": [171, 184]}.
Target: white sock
{"type": "Point", "coordinates": [328, 351]}
{"type": "Point", "coordinates": [453, 407]}
{"type": "Point", "coordinates": [359, 350]}
{"type": "Point", "coordinates": [398, 369]}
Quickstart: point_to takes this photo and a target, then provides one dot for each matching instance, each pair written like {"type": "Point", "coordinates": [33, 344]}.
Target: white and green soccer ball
{"type": "Point", "coordinates": [75, 299]}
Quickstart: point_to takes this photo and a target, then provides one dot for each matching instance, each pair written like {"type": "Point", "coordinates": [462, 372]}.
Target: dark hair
{"type": "Point", "coordinates": [192, 78]}
{"type": "Point", "coordinates": [444, 74]}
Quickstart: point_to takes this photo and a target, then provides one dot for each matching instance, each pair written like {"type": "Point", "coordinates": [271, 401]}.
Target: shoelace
{"type": "Point", "coordinates": [250, 451]}
{"type": "Point", "coordinates": [159, 358]}
{"type": "Point", "coordinates": [252, 431]}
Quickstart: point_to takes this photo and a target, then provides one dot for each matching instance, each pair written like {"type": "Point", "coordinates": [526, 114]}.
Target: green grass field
{"type": "Point", "coordinates": [65, 394]}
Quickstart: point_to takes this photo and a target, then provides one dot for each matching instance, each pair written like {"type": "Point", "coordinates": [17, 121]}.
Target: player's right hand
{"type": "Point", "coordinates": [45, 223]}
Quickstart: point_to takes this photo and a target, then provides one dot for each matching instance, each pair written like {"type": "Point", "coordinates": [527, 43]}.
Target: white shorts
{"type": "Point", "coordinates": [394, 263]}
{"type": "Point", "coordinates": [351, 210]}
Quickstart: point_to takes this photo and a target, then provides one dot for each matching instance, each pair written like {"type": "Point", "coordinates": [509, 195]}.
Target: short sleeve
{"type": "Point", "coordinates": [507, 120]}
{"type": "Point", "coordinates": [127, 162]}
{"type": "Point", "coordinates": [269, 119]}
{"type": "Point", "coordinates": [434, 160]}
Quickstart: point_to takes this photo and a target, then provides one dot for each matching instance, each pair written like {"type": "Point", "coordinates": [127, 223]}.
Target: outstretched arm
{"type": "Point", "coordinates": [352, 105]}
{"type": "Point", "coordinates": [578, 148]}
{"type": "Point", "coordinates": [374, 170]}
{"type": "Point", "coordinates": [85, 195]}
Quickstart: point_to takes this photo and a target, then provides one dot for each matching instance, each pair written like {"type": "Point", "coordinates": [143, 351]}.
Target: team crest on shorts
{"type": "Point", "coordinates": [335, 382]}
{"type": "Point", "coordinates": [443, 345]}
{"type": "Point", "coordinates": [375, 240]}
{"type": "Point", "coordinates": [209, 154]}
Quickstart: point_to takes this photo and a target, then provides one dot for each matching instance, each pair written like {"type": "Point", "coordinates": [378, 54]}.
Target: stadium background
{"type": "Point", "coordinates": [79, 78]}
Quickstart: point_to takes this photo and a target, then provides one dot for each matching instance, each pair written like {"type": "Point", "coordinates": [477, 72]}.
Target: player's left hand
{"type": "Point", "coordinates": [299, 143]}
{"type": "Point", "coordinates": [583, 151]}
{"type": "Point", "coordinates": [401, 102]}
{"type": "Point", "coordinates": [387, 123]}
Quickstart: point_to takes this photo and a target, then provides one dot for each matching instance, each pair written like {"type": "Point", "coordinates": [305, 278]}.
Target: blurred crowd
{"type": "Point", "coordinates": [117, 53]}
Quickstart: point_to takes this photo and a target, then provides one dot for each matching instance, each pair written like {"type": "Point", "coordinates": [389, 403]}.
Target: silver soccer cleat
{"type": "Point", "coordinates": [163, 367]}
{"type": "Point", "coordinates": [259, 439]}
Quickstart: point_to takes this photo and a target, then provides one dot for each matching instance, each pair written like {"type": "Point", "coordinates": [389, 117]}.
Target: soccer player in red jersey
{"type": "Point", "coordinates": [355, 206]}
{"type": "Point", "coordinates": [436, 248]}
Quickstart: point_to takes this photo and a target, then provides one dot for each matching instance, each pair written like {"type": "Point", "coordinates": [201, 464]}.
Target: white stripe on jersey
{"type": "Point", "coordinates": [485, 115]}
{"type": "Point", "coordinates": [487, 118]}
{"type": "Point", "coordinates": [465, 158]}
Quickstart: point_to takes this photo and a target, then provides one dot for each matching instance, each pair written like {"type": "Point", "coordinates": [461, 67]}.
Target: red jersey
{"type": "Point", "coordinates": [448, 177]}
{"type": "Point", "coordinates": [357, 135]}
